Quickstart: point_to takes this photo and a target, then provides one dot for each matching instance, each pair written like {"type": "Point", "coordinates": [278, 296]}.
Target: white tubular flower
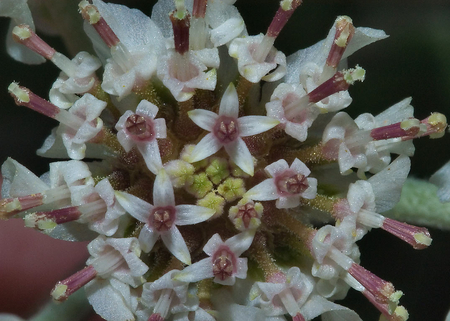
{"type": "Point", "coordinates": [81, 79]}
{"type": "Point", "coordinates": [253, 68]}
{"type": "Point", "coordinates": [182, 74]}
{"type": "Point", "coordinates": [19, 12]}
{"type": "Point", "coordinates": [141, 129]}
{"type": "Point", "coordinates": [87, 109]}
{"type": "Point", "coordinates": [134, 51]}
{"type": "Point", "coordinates": [297, 124]}
{"type": "Point", "coordinates": [226, 130]}
{"type": "Point", "coordinates": [223, 262]}
{"type": "Point", "coordinates": [286, 186]}
{"type": "Point", "coordinates": [162, 218]}
{"type": "Point", "coordinates": [111, 258]}
{"type": "Point", "coordinates": [367, 142]}
{"type": "Point", "coordinates": [166, 296]}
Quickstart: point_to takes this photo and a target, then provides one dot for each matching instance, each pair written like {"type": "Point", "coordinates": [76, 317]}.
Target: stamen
{"type": "Point", "coordinates": [292, 184]}
{"type": "Point", "coordinates": [26, 36]}
{"type": "Point", "coordinates": [288, 300]}
{"type": "Point", "coordinates": [226, 129]}
{"type": "Point", "coordinates": [155, 317]}
{"type": "Point", "coordinates": [339, 82]}
{"type": "Point", "coordinates": [407, 128]}
{"type": "Point", "coordinates": [162, 218]}
{"type": "Point", "coordinates": [223, 266]}
{"type": "Point", "coordinates": [180, 19]}
{"type": "Point", "coordinates": [140, 127]}
{"type": "Point", "coordinates": [65, 288]}
{"type": "Point", "coordinates": [161, 310]}
{"type": "Point", "coordinates": [199, 8]}
{"type": "Point", "coordinates": [24, 97]}
{"type": "Point", "coordinates": [11, 206]}
{"type": "Point", "coordinates": [418, 237]}
{"type": "Point", "coordinates": [91, 14]}
{"type": "Point", "coordinates": [47, 221]}
{"type": "Point", "coordinates": [436, 125]}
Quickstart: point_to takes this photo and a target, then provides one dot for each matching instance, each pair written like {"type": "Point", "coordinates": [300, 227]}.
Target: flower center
{"type": "Point", "coordinates": [292, 184]}
{"type": "Point", "coordinates": [226, 129]}
{"type": "Point", "coordinates": [223, 264]}
{"type": "Point", "coordinates": [162, 218]}
{"type": "Point", "coordinates": [140, 127]}
{"type": "Point", "coordinates": [247, 212]}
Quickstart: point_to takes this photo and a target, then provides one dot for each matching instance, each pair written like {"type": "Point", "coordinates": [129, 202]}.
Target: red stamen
{"type": "Point", "coordinates": [26, 36]}
{"type": "Point", "coordinates": [282, 16]}
{"type": "Point", "coordinates": [418, 237]}
{"type": "Point", "coordinates": [65, 288]}
{"type": "Point", "coordinates": [180, 32]}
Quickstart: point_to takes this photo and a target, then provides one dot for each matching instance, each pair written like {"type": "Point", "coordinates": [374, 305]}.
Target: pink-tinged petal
{"type": "Point", "coordinates": [200, 270]}
{"type": "Point", "coordinates": [240, 242]}
{"type": "Point", "coordinates": [241, 269]}
{"type": "Point", "coordinates": [311, 192]}
{"type": "Point", "coordinates": [146, 108]}
{"type": "Point", "coordinates": [147, 238]}
{"type": "Point", "coordinates": [163, 190]}
{"type": "Point", "coordinates": [229, 104]}
{"type": "Point", "coordinates": [192, 214]}
{"type": "Point", "coordinates": [213, 243]}
{"type": "Point", "coordinates": [240, 155]}
{"type": "Point", "coordinates": [152, 157]}
{"type": "Point", "coordinates": [252, 125]}
{"type": "Point", "coordinates": [298, 131]}
{"type": "Point", "coordinates": [160, 128]}
{"type": "Point", "coordinates": [125, 140]}
{"type": "Point", "coordinates": [136, 207]}
{"type": "Point", "coordinates": [277, 167]}
{"type": "Point", "coordinates": [264, 191]}
{"type": "Point", "coordinates": [288, 202]}
{"type": "Point", "coordinates": [206, 147]}
{"type": "Point", "coordinates": [122, 120]}
{"type": "Point", "coordinates": [299, 167]}
{"type": "Point", "coordinates": [203, 118]}
{"type": "Point", "coordinates": [175, 243]}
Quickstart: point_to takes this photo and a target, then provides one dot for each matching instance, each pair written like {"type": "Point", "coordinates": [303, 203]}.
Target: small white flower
{"type": "Point", "coordinates": [162, 218]}
{"type": "Point", "coordinates": [141, 129]}
{"type": "Point", "coordinates": [223, 262]}
{"type": "Point", "coordinates": [286, 186]}
{"type": "Point", "coordinates": [226, 130]}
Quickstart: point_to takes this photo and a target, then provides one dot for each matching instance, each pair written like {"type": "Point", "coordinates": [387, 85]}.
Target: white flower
{"type": "Point", "coordinates": [162, 218]}
{"type": "Point", "coordinates": [270, 68]}
{"type": "Point", "coordinates": [226, 130]}
{"type": "Point", "coordinates": [286, 186]}
{"type": "Point", "coordinates": [141, 129]}
{"type": "Point", "coordinates": [223, 262]}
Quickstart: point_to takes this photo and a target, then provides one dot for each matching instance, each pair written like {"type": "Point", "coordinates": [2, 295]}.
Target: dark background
{"type": "Point", "coordinates": [413, 61]}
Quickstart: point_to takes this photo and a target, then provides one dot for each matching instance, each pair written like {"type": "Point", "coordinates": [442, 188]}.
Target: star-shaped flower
{"type": "Point", "coordinates": [162, 218]}
{"type": "Point", "coordinates": [227, 129]}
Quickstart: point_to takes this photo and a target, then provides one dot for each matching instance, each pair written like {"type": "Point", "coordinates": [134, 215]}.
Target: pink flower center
{"type": "Point", "coordinates": [289, 184]}
{"type": "Point", "coordinates": [223, 263]}
{"type": "Point", "coordinates": [226, 129]}
{"type": "Point", "coordinates": [162, 218]}
{"type": "Point", "coordinates": [140, 127]}
{"type": "Point", "coordinates": [247, 212]}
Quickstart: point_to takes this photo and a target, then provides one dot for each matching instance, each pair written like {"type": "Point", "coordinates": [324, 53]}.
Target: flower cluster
{"type": "Point", "coordinates": [211, 153]}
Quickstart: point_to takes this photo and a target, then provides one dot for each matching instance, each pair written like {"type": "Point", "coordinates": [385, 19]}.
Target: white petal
{"type": "Point", "coordinates": [206, 147]}
{"type": "Point", "coordinates": [264, 191]}
{"type": "Point", "coordinates": [288, 201]}
{"type": "Point", "coordinates": [200, 270]}
{"type": "Point", "coordinates": [151, 154]}
{"type": "Point", "coordinates": [299, 167]}
{"type": "Point", "coordinates": [136, 207]}
{"type": "Point", "coordinates": [147, 238]}
{"type": "Point", "coordinates": [163, 190]}
{"type": "Point", "coordinates": [107, 301]}
{"type": "Point", "coordinates": [240, 242]}
{"type": "Point", "coordinates": [442, 180]}
{"type": "Point", "coordinates": [229, 104]}
{"type": "Point", "coordinates": [203, 118]}
{"type": "Point", "coordinates": [311, 192]}
{"type": "Point", "coordinates": [213, 243]}
{"type": "Point", "coordinates": [252, 125]}
{"type": "Point", "coordinates": [146, 108]}
{"type": "Point", "coordinates": [175, 243]}
{"type": "Point", "coordinates": [278, 167]}
{"type": "Point", "coordinates": [192, 214]}
{"type": "Point", "coordinates": [240, 155]}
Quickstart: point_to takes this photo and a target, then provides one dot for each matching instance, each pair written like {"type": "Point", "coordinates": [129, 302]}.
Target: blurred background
{"type": "Point", "coordinates": [413, 61]}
